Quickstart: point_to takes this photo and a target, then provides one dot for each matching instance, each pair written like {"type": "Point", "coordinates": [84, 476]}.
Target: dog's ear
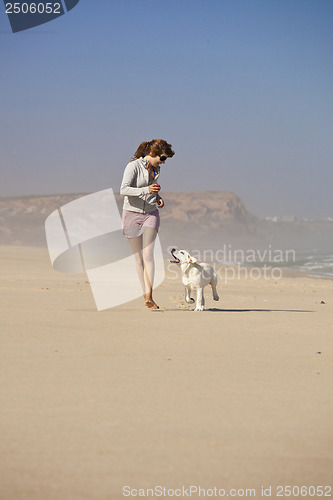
{"type": "Point", "coordinates": [193, 260]}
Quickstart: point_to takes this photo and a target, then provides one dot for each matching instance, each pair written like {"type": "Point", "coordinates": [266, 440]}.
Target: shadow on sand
{"type": "Point", "coordinates": [215, 309]}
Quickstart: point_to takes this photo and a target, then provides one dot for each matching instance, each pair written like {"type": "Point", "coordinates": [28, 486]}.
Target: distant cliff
{"type": "Point", "coordinates": [22, 218]}
{"type": "Point", "coordinates": [215, 218]}
{"type": "Point", "coordinates": [189, 220]}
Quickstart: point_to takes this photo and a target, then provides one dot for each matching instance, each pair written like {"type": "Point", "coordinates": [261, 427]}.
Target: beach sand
{"type": "Point", "coordinates": [239, 396]}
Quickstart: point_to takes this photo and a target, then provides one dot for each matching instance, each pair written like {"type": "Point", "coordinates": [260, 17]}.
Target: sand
{"type": "Point", "coordinates": [236, 397]}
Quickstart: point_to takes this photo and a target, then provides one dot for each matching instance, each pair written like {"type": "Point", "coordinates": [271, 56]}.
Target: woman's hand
{"type": "Point", "coordinates": [154, 188]}
{"type": "Point", "coordinates": [159, 201]}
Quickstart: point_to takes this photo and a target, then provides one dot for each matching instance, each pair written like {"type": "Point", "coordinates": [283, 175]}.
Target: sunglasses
{"type": "Point", "coordinates": [163, 157]}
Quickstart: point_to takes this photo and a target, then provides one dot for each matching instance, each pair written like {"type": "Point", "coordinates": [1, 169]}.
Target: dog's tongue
{"type": "Point", "coordinates": [175, 259]}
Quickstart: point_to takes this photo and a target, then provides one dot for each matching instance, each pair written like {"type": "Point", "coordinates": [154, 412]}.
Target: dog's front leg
{"type": "Point", "coordinates": [200, 300]}
{"type": "Point", "coordinates": [188, 298]}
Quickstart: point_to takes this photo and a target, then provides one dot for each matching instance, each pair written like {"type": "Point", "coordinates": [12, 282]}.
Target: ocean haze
{"type": "Point", "coordinates": [191, 220]}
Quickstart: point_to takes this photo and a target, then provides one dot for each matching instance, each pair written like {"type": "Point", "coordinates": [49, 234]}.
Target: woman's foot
{"type": "Point", "coordinates": [150, 304]}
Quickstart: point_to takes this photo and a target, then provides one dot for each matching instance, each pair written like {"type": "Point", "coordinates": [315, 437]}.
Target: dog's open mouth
{"type": "Point", "coordinates": [175, 259]}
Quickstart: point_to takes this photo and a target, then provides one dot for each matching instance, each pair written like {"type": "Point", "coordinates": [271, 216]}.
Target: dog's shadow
{"type": "Point", "coordinates": [216, 309]}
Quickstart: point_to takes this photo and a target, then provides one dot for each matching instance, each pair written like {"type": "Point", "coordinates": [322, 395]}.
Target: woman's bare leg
{"type": "Point", "coordinates": [136, 244]}
{"type": "Point", "coordinates": [143, 249]}
{"type": "Point", "coordinates": [149, 237]}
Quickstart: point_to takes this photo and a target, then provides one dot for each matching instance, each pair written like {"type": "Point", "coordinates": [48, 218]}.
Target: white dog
{"type": "Point", "coordinates": [195, 277]}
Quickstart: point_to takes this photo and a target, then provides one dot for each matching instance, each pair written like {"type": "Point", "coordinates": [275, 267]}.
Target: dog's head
{"type": "Point", "coordinates": [182, 257]}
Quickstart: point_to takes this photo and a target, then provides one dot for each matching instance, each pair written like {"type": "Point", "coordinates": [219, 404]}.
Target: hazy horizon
{"type": "Point", "coordinates": [242, 90]}
{"type": "Point", "coordinates": [84, 193]}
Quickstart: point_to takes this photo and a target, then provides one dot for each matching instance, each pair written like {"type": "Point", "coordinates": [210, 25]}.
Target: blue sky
{"type": "Point", "coordinates": [241, 88]}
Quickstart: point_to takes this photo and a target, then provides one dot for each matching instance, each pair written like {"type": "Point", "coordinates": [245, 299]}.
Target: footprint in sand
{"type": "Point", "coordinates": [179, 301]}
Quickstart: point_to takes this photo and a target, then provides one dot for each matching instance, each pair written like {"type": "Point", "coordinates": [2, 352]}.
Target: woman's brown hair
{"type": "Point", "coordinates": [156, 146]}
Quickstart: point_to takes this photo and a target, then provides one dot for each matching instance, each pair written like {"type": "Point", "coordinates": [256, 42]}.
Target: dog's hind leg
{"type": "Point", "coordinates": [215, 294]}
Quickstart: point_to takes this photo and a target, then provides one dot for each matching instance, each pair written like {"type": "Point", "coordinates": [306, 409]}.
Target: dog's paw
{"type": "Point", "coordinates": [216, 297]}
{"type": "Point", "coordinates": [190, 300]}
{"type": "Point", "coordinates": [200, 308]}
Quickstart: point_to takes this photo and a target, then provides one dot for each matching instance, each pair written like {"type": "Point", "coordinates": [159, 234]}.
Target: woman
{"type": "Point", "coordinates": [141, 218]}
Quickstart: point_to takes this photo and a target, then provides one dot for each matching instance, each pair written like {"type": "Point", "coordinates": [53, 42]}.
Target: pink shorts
{"type": "Point", "coordinates": [134, 223]}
